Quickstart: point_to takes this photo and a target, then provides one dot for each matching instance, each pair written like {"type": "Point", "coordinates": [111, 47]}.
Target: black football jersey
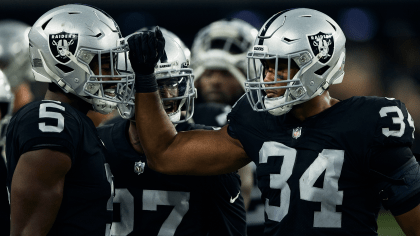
{"type": "Point", "coordinates": [4, 198]}
{"type": "Point", "coordinates": [211, 114]}
{"type": "Point", "coordinates": [315, 175]}
{"type": "Point", "coordinates": [151, 203]}
{"type": "Point", "coordinates": [87, 200]}
{"type": "Point", "coordinates": [215, 114]}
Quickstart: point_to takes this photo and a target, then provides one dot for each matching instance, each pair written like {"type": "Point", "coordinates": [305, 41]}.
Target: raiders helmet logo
{"type": "Point", "coordinates": [61, 43]}
{"type": "Point", "coordinates": [323, 44]}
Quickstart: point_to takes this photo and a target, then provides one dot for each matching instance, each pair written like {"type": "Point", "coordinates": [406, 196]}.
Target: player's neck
{"type": "Point", "coordinates": [70, 99]}
{"type": "Point", "coordinates": [314, 106]}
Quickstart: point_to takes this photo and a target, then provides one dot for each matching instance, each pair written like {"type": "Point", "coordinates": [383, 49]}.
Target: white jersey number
{"type": "Point", "coordinates": [329, 196]}
{"type": "Point", "coordinates": [396, 120]}
{"type": "Point", "coordinates": [151, 199]}
{"type": "Point", "coordinates": [43, 113]}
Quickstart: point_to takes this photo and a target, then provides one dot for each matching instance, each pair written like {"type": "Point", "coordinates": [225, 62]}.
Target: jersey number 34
{"type": "Point", "coordinates": [329, 196]}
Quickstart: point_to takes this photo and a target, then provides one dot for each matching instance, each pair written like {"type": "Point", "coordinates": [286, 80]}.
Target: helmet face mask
{"type": "Point", "coordinates": [306, 37]}
{"type": "Point", "coordinates": [62, 47]}
{"type": "Point", "coordinates": [177, 93]}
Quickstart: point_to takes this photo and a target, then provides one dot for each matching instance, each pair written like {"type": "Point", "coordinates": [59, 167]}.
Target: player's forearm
{"type": "Point", "coordinates": [155, 130]}
{"type": "Point", "coordinates": [34, 209]}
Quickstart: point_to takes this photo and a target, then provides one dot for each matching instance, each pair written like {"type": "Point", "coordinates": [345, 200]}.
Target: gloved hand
{"type": "Point", "coordinates": [146, 48]}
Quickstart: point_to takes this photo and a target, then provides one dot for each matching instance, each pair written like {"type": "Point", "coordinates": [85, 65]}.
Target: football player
{"type": "Point", "coordinates": [219, 62]}
{"type": "Point", "coordinates": [324, 166]}
{"type": "Point", "coordinates": [6, 106]}
{"type": "Point", "coordinates": [14, 60]}
{"type": "Point", "coordinates": [59, 181]}
{"type": "Point", "coordinates": [150, 203]}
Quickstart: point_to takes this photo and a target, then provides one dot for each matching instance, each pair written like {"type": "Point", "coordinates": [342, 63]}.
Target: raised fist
{"type": "Point", "coordinates": [146, 48]}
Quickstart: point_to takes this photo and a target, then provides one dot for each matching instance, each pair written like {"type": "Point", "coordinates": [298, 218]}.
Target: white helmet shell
{"type": "Point", "coordinates": [313, 41]}
{"type": "Point", "coordinates": [63, 42]}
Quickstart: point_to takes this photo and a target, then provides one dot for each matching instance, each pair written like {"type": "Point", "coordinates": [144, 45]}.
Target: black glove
{"type": "Point", "coordinates": [146, 48]}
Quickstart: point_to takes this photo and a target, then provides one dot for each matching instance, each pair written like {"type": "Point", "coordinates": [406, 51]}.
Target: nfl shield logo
{"type": "Point", "coordinates": [139, 167]}
{"type": "Point", "coordinates": [61, 43]}
{"type": "Point", "coordinates": [323, 44]}
{"type": "Point", "coordinates": [297, 132]}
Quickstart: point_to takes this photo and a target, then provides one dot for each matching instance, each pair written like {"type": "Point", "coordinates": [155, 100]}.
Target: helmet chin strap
{"type": "Point", "coordinates": [175, 116]}
{"type": "Point", "coordinates": [274, 102]}
{"type": "Point", "coordinates": [102, 106]}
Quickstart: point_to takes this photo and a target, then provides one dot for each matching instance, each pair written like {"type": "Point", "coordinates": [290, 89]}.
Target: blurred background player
{"type": "Point", "coordinates": [219, 62]}
{"type": "Point", "coordinates": [151, 203]}
{"type": "Point", "coordinates": [14, 61]}
{"type": "Point", "coordinates": [59, 181]}
{"type": "Point", "coordinates": [6, 106]}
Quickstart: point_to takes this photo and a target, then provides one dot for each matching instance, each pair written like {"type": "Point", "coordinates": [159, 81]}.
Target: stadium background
{"type": "Point", "coordinates": [383, 43]}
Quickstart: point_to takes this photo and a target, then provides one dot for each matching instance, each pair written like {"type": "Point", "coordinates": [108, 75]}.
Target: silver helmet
{"type": "Point", "coordinates": [14, 52]}
{"type": "Point", "coordinates": [186, 50]}
{"type": "Point", "coordinates": [175, 82]}
{"type": "Point", "coordinates": [313, 41]}
{"type": "Point", "coordinates": [67, 40]}
{"type": "Point", "coordinates": [223, 45]}
{"type": "Point", "coordinates": [6, 106]}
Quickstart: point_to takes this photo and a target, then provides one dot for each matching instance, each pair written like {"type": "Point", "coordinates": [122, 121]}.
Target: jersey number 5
{"type": "Point", "coordinates": [43, 113]}
{"type": "Point", "coordinates": [329, 196]}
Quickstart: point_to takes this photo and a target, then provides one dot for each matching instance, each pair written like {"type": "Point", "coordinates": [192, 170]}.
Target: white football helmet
{"type": "Point", "coordinates": [14, 52]}
{"type": "Point", "coordinates": [65, 40]}
{"type": "Point", "coordinates": [175, 82]}
{"type": "Point", "coordinates": [223, 45]}
{"type": "Point", "coordinates": [313, 41]}
{"type": "Point", "coordinates": [187, 51]}
{"type": "Point", "coordinates": [6, 106]}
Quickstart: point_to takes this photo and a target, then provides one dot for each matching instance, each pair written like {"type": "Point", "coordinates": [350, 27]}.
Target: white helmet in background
{"type": "Point", "coordinates": [306, 37]}
{"type": "Point", "coordinates": [14, 52]}
{"type": "Point", "coordinates": [223, 45]}
{"type": "Point", "coordinates": [65, 40]}
{"type": "Point", "coordinates": [6, 106]}
{"type": "Point", "coordinates": [175, 83]}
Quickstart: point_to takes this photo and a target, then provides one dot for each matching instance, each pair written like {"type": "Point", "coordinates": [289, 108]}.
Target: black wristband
{"type": "Point", "coordinates": [146, 83]}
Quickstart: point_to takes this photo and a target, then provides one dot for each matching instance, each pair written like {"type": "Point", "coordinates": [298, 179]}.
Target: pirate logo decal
{"type": "Point", "coordinates": [323, 44]}
{"type": "Point", "coordinates": [61, 43]}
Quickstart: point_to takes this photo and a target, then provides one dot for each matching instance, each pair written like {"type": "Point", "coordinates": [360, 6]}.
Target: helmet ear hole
{"type": "Point", "coordinates": [322, 70]}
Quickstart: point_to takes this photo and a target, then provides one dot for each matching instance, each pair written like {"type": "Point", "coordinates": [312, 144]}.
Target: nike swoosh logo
{"type": "Point", "coordinates": [232, 200]}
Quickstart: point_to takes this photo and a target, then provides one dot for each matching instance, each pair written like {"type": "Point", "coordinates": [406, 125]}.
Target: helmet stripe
{"type": "Point", "coordinates": [268, 24]}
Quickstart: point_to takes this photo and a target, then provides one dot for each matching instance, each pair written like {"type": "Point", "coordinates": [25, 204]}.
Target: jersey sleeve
{"type": "Point", "coordinates": [47, 125]}
{"type": "Point", "coordinates": [389, 154]}
{"type": "Point", "coordinates": [225, 204]}
{"type": "Point", "coordinates": [394, 124]}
